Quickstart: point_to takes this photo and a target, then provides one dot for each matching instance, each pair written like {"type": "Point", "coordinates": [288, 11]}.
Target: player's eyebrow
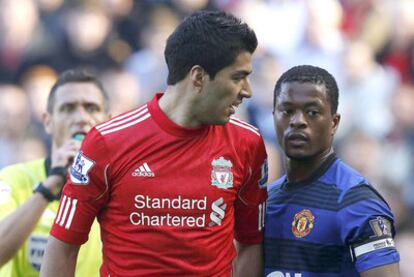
{"type": "Point", "coordinates": [313, 104]}
{"type": "Point", "coordinates": [242, 73]}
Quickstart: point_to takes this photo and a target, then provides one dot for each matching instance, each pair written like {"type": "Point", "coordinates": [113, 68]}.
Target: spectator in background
{"type": "Point", "coordinates": [359, 143]}
{"type": "Point", "coordinates": [259, 109]}
{"type": "Point", "coordinates": [28, 190]}
{"type": "Point", "coordinates": [18, 21]}
{"type": "Point", "coordinates": [400, 157]}
{"type": "Point", "coordinates": [147, 64]}
{"type": "Point", "coordinates": [37, 82]}
{"type": "Point", "coordinates": [322, 42]}
{"type": "Point", "coordinates": [398, 51]}
{"type": "Point", "coordinates": [14, 121]}
{"type": "Point", "coordinates": [367, 90]}
{"type": "Point", "coordinates": [271, 17]}
{"type": "Point", "coordinates": [87, 28]}
{"type": "Point", "coordinates": [24, 38]}
{"type": "Point", "coordinates": [123, 90]}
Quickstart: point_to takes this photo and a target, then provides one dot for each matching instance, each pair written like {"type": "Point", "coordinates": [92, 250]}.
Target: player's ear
{"type": "Point", "coordinates": [198, 77]}
{"type": "Point", "coordinates": [336, 118]}
{"type": "Point", "coordinates": [47, 122]}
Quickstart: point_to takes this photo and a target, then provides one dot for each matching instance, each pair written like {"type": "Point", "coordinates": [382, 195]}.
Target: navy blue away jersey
{"type": "Point", "coordinates": [333, 224]}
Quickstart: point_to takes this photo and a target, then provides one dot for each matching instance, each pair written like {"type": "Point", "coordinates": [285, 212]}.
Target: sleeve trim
{"type": "Point", "coordinates": [373, 246]}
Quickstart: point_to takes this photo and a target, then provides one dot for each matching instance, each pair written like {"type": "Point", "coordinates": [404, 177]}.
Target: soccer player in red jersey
{"type": "Point", "coordinates": [178, 184]}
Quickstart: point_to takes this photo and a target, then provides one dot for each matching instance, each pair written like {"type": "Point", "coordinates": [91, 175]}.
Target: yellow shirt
{"type": "Point", "coordinates": [16, 186]}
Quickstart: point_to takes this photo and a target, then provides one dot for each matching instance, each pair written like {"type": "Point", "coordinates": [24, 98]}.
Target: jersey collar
{"type": "Point", "coordinates": [165, 123]}
{"type": "Point", "coordinates": [315, 175]}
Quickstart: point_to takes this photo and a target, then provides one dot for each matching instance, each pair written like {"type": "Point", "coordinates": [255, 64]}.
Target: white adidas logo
{"type": "Point", "coordinates": [143, 171]}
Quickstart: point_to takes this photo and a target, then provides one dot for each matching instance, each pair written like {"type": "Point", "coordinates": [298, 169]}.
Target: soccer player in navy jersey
{"type": "Point", "coordinates": [323, 218]}
{"type": "Point", "coordinates": [178, 184]}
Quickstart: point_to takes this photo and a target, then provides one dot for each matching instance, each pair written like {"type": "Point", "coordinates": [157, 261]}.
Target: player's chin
{"type": "Point", "coordinates": [298, 155]}
{"type": "Point", "coordinates": [221, 120]}
{"type": "Point", "coordinates": [226, 118]}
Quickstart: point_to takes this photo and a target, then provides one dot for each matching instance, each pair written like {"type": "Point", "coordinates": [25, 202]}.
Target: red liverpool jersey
{"type": "Point", "coordinates": [170, 200]}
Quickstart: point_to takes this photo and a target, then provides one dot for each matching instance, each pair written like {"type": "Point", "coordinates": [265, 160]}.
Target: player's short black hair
{"type": "Point", "coordinates": [209, 39]}
{"type": "Point", "coordinates": [76, 76]}
{"type": "Point", "coordinates": [310, 74]}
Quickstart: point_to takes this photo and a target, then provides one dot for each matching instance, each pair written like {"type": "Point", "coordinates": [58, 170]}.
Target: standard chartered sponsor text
{"type": "Point", "coordinates": [147, 203]}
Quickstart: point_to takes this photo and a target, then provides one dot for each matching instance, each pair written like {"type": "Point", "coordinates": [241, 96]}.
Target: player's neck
{"type": "Point", "coordinates": [300, 170]}
{"type": "Point", "coordinates": [178, 104]}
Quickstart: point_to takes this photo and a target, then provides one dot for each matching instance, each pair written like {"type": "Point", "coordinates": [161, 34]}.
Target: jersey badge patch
{"type": "Point", "coordinates": [265, 174]}
{"type": "Point", "coordinates": [380, 226]}
{"type": "Point", "coordinates": [302, 223]}
{"type": "Point", "coordinates": [80, 168]}
{"type": "Point", "coordinates": [36, 249]}
{"type": "Point", "coordinates": [221, 175]}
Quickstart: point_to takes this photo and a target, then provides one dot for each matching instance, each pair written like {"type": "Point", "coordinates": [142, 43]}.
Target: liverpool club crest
{"type": "Point", "coordinates": [221, 175]}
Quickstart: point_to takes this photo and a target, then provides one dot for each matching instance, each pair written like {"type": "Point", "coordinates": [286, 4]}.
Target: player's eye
{"type": "Point", "coordinates": [287, 112]}
{"type": "Point", "coordinates": [312, 113]}
{"type": "Point", "coordinates": [66, 108]}
{"type": "Point", "coordinates": [237, 78]}
{"type": "Point", "coordinates": [92, 108]}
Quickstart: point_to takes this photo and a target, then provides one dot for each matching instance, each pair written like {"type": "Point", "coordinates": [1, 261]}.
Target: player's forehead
{"type": "Point", "coordinates": [78, 93]}
{"type": "Point", "coordinates": [302, 93]}
{"type": "Point", "coordinates": [241, 65]}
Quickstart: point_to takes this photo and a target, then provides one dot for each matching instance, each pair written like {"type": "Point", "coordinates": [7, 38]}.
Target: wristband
{"type": "Point", "coordinates": [59, 170]}
{"type": "Point", "coordinates": [45, 192]}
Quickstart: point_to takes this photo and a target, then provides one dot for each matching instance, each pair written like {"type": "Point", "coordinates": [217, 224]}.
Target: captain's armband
{"type": "Point", "coordinates": [380, 238]}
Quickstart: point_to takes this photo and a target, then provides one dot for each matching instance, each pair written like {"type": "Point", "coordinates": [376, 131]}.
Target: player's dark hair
{"type": "Point", "coordinates": [310, 74]}
{"type": "Point", "coordinates": [209, 39]}
{"type": "Point", "coordinates": [76, 76]}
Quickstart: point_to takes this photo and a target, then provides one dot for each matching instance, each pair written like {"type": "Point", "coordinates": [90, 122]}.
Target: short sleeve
{"type": "Point", "coordinates": [6, 270]}
{"type": "Point", "coordinates": [367, 228]}
{"type": "Point", "coordinates": [7, 202]}
{"type": "Point", "coordinates": [15, 188]}
{"type": "Point", "coordinates": [250, 203]}
{"type": "Point", "coordinates": [85, 192]}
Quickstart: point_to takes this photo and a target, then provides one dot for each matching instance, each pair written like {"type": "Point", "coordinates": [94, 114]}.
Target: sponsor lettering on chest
{"type": "Point", "coordinates": [177, 212]}
{"type": "Point", "coordinates": [204, 203]}
{"type": "Point", "coordinates": [282, 274]}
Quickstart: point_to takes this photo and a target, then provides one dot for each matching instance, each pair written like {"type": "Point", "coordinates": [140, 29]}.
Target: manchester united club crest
{"type": "Point", "coordinates": [221, 175]}
{"type": "Point", "coordinates": [302, 223]}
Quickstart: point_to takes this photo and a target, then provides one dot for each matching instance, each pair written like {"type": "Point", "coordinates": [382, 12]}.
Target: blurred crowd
{"type": "Point", "coordinates": [368, 45]}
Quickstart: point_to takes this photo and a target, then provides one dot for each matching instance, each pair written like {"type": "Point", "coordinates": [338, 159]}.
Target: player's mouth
{"type": "Point", "coordinates": [297, 138]}
{"type": "Point", "coordinates": [234, 106]}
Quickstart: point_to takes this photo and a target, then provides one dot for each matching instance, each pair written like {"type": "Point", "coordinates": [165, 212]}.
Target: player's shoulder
{"type": "Point", "coordinates": [353, 185]}
{"type": "Point", "coordinates": [30, 169]}
{"type": "Point", "coordinates": [243, 128]}
{"type": "Point", "coordinates": [273, 188]}
{"type": "Point", "coordinates": [343, 176]}
{"type": "Point", "coordinates": [123, 123]}
{"type": "Point", "coordinates": [18, 178]}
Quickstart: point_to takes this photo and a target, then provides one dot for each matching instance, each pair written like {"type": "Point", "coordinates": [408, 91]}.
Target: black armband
{"type": "Point", "coordinates": [60, 171]}
{"type": "Point", "coordinates": [45, 192]}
